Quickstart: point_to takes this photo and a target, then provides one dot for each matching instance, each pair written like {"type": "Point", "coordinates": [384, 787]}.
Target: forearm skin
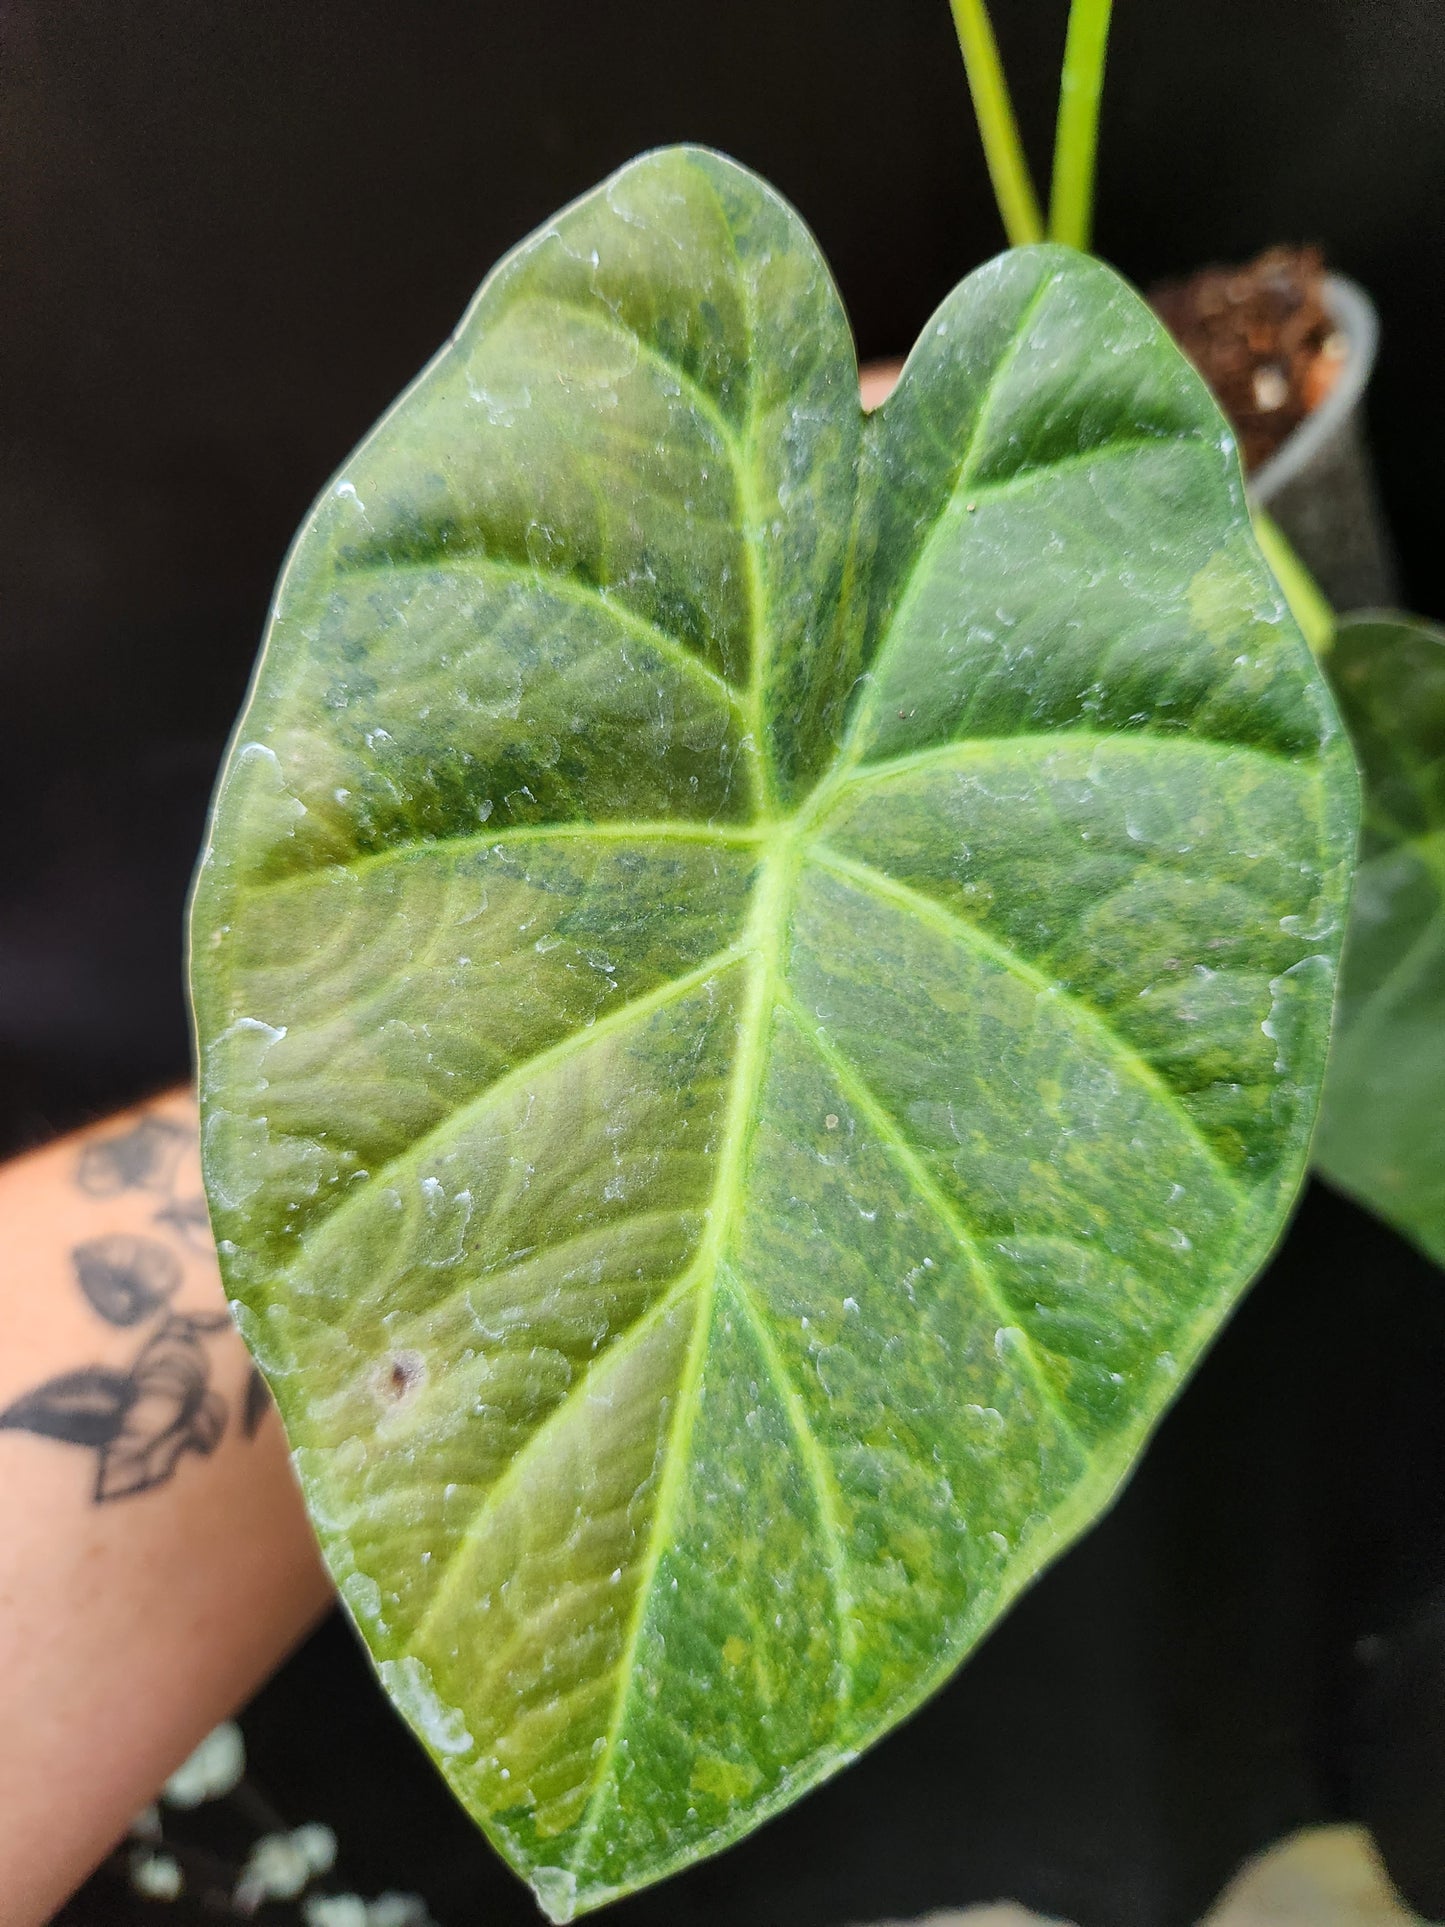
{"type": "Point", "coordinates": [155, 1560]}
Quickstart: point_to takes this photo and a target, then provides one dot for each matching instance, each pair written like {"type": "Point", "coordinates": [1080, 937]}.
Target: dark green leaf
{"type": "Point", "coordinates": [763, 980]}
{"type": "Point", "coordinates": [1382, 1125]}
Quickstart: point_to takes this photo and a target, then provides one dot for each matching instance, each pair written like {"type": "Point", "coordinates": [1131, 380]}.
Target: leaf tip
{"type": "Point", "coordinates": [556, 1891]}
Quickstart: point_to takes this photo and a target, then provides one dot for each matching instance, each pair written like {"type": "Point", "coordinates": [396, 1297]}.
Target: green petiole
{"type": "Point", "coordinates": [1071, 207]}
{"type": "Point", "coordinates": [1013, 186]}
{"type": "Point", "coordinates": [1303, 594]}
{"type": "Point", "coordinates": [1076, 143]}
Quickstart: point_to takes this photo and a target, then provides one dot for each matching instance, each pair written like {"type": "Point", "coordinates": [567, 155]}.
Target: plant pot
{"type": "Point", "coordinates": [1320, 486]}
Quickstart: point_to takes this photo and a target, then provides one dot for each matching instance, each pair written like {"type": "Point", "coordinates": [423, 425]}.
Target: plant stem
{"type": "Point", "coordinates": [1076, 144]}
{"type": "Point", "coordinates": [1303, 594]}
{"type": "Point", "coordinates": [1013, 187]}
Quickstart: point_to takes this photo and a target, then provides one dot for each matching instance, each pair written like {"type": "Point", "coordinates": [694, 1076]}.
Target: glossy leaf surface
{"type": "Point", "coordinates": [763, 979]}
{"type": "Point", "coordinates": [1382, 1125]}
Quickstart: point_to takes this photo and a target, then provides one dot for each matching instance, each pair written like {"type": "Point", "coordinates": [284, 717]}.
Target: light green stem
{"type": "Point", "coordinates": [1303, 594]}
{"type": "Point", "coordinates": [1076, 144]}
{"type": "Point", "coordinates": [1013, 187]}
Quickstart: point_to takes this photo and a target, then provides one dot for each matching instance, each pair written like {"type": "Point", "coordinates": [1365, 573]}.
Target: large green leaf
{"type": "Point", "coordinates": [1382, 1125]}
{"type": "Point", "coordinates": [762, 980]}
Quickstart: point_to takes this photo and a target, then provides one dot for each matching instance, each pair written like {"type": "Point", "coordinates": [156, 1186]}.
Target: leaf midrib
{"type": "Point", "coordinates": [786, 842]}
{"type": "Point", "coordinates": [762, 951]}
{"type": "Point", "coordinates": [763, 831]}
{"type": "Point", "coordinates": [765, 937]}
{"type": "Point", "coordinates": [764, 947]}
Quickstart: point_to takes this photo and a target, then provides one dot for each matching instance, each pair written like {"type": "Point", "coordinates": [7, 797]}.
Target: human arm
{"type": "Point", "coordinates": [155, 1560]}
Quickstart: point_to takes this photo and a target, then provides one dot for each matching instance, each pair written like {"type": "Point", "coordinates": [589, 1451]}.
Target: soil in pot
{"type": "Point", "coordinates": [1263, 337]}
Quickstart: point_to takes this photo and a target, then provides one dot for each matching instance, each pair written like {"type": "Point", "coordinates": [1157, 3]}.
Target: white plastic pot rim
{"type": "Point", "coordinates": [1354, 315]}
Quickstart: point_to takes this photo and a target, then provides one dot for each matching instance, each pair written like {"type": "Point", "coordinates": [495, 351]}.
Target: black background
{"type": "Point", "coordinates": [230, 233]}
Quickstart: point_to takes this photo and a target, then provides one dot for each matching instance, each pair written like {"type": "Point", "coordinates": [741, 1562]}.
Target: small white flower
{"type": "Point", "coordinates": [318, 1846]}
{"type": "Point", "coordinates": [398, 1910]}
{"type": "Point", "coordinates": [276, 1870]}
{"type": "Point", "coordinates": [211, 1771]}
{"type": "Point", "coordinates": [334, 1910]}
{"type": "Point", "coordinates": [155, 1875]}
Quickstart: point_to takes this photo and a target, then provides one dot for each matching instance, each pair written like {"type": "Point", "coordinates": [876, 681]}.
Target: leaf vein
{"type": "Point", "coordinates": [567, 588]}
{"type": "Point", "coordinates": [744, 450]}
{"type": "Point", "coordinates": [861, 1094]}
{"type": "Point", "coordinates": [574, 1044]}
{"type": "Point", "coordinates": [675, 1455]}
{"type": "Point", "coordinates": [969, 936]}
{"type": "Point", "coordinates": [1037, 474]}
{"type": "Point", "coordinates": [664, 830]}
{"type": "Point", "coordinates": [485, 1281]}
{"type": "Point", "coordinates": [701, 400]}
{"type": "Point", "coordinates": [868, 696]}
{"type": "Point", "coordinates": [819, 1472]}
{"type": "Point", "coordinates": [451, 1574]}
{"type": "Point", "coordinates": [1150, 742]}
{"type": "Point", "coordinates": [765, 932]}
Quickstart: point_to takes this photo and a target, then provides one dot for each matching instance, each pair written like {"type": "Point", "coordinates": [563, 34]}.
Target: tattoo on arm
{"type": "Point", "coordinates": [126, 1278]}
{"type": "Point", "coordinates": [143, 1158]}
{"type": "Point", "coordinates": [189, 1220]}
{"type": "Point", "coordinates": [257, 1403]}
{"type": "Point", "coordinates": [142, 1420]}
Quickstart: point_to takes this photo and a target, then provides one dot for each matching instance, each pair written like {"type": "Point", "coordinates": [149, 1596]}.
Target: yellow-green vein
{"type": "Point", "coordinates": [597, 1368]}
{"type": "Point", "coordinates": [764, 942]}
{"type": "Point", "coordinates": [861, 1096]}
{"type": "Point", "coordinates": [1058, 742]}
{"type": "Point", "coordinates": [958, 930]}
{"type": "Point", "coordinates": [848, 749]}
{"type": "Point", "coordinates": [826, 1497]}
{"type": "Point", "coordinates": [541, 1064]}
{"type": "Point", "coordinates": [566, 588]}
{"type": "Point", "coordinates": [662, 830]}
